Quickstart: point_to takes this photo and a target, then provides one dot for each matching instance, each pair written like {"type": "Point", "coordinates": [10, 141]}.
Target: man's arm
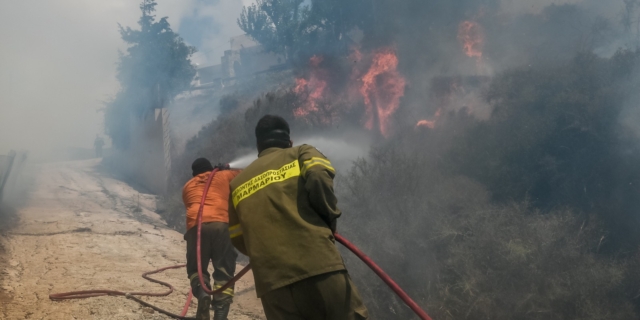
{"type": "Point", "coordinates": [235, 229]}
{"type": "Point", "coordinates": [318, 174]}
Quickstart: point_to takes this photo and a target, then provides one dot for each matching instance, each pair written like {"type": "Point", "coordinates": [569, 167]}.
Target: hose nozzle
{"type": "Point", "coordinates": [222, 166]}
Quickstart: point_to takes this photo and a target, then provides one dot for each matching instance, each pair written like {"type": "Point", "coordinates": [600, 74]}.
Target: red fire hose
{"type": "Point", "coordinates": [385, 277]}
{"type": "Point", "coordinates": [198, 242]}
{"type": "Point", "coordinates": [96, 293]}
{"type": "Point", "coordinates": [130, 295]}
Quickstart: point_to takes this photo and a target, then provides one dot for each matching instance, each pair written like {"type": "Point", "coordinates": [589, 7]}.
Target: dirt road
{"type": "Point", "coordinates": [83, 230]}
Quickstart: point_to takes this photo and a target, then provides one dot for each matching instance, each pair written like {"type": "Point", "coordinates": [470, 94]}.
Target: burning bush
{"type": "Point", "coordinates": [428, 193]}
{"type": "Point", "coordinates": [506, 197]}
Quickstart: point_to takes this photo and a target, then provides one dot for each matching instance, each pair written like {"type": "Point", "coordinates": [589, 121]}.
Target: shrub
{"type": "Point", "coordinates": [555, 138]}
{"type": "Point", "coordinates": [462, 257]}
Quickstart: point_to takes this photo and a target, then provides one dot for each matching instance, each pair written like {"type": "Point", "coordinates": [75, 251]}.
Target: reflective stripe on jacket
{"type": "Point", "coordinates": [281, 212]}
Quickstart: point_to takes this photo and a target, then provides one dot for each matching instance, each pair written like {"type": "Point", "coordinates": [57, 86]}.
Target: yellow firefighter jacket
{"type": "Point", "coordinates": [280, 212]}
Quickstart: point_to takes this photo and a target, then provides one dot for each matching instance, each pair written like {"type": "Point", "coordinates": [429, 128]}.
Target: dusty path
{"type": "Point", "coordinates": [82, 230]}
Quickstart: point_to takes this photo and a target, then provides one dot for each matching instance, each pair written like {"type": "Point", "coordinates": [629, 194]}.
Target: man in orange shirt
{"type": "Point", "coordinates": [215, 243]}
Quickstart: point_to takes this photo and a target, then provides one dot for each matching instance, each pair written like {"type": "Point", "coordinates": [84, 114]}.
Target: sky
{"type": "Point", "coordinates": [58, 62]}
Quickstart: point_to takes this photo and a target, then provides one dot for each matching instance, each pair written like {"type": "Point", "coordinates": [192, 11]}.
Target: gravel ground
{"type": "Point", "coordinates": [83, 230]}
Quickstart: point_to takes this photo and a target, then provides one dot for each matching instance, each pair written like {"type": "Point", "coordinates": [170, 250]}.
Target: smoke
{"type": "Point", "coordinates": [243, 161]}
{"type": "Point", "coordinates": [532, 7]}
{"type": "Point", "coordinates": [19, 180]}
{"type": "Point", "coordinates": [630, 116]}
{"type": "Point", "coordinates": [424, 73]}
{"type": "Point", "coordinates": [58, 60]}
{"type": "Point", "coordinates": [509, 87]}
{"type": "Point", "coordinates": [342, 153]}
{"type": "Point", "coordinates": [458, 123]}
{"type": "Point", "coordinates": [440, 57]}
{"type": "Point", "coordinates": [208, 25]}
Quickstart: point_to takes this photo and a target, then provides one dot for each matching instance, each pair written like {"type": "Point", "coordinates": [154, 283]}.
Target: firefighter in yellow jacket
{"type": "Point", "coordinates": [282, 214]}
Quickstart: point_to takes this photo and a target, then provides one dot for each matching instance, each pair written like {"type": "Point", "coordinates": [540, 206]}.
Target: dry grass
{"type": "Point", "coordinates": [465, 258]}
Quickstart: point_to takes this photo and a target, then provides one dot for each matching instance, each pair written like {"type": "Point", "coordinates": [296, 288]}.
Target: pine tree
{"type": "Point", "coordinates": [155, 68]}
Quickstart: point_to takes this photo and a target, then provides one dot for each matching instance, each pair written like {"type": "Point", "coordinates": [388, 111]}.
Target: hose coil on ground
{"type": "Point", "coordinates": [131, 295]}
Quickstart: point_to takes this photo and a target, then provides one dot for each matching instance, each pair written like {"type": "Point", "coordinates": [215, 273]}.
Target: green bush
{"type": "Point", "coordinates": [462, 257]}
{"type": "Point", "coordinates": [555, 139]}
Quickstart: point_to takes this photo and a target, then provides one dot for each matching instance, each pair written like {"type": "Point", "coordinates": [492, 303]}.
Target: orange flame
{"type": "Point", "coordinates": [430, 123]}
{"type": "Point", "coordinates": [314, 87]}
{"type": "Point", "coordinates": [301, 85]}
{"type": "Point", "coordinates": [471, 36]}
{"type": "Point", "coordinates": [426, 123]}
{"type": "Point", "coordinates": [378, 83]}
{"type": "Point", "coordinates": [382, 87]}
{"type": "Point", "coordinates": [315, 61]}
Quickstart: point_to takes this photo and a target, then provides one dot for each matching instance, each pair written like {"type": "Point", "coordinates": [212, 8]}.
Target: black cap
{"type": "Point", "coordinates": [201, 165]}
{"type": "Point", "coordinates": [272, 131]}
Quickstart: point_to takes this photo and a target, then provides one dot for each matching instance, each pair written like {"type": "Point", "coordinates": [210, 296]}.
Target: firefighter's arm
{"type": "Point", "coordinates": [235, 230]}
{"type": "Point", "coordinates": [318, 174]}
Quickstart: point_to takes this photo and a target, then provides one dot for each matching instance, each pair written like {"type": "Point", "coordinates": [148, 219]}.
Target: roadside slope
{"type": "Point", "coordinates": [82, 230]}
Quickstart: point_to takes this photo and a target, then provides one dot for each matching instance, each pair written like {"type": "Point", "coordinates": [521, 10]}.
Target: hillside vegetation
{"type": "Point", "coordinates": [524, 216]}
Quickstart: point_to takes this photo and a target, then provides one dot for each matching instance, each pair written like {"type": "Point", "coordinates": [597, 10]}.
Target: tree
{"type": "Point", "coordinates": [154, 70]}
{"type": "Point", "coordinates": [276, 24]}
{"type": "Point", "coordinates": [292, 28]}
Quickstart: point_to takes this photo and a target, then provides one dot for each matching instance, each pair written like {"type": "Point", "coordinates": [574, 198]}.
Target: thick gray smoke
{"type": "Point", "coordinates": [58, 62]}
{"type": "Point", "coordinates": [341, 153]}
{"type": "Point", "coordinates": [505, 187]}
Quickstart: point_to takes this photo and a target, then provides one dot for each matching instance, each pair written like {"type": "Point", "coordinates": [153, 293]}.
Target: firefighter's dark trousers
{"type": "Point", "coordinates": [215, 247]}
{"type": "Point", "coordinates": [329, 296]}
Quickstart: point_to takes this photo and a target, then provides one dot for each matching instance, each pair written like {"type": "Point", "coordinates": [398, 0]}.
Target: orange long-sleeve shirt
{"type": "Point", "coordinates": [216, 204]}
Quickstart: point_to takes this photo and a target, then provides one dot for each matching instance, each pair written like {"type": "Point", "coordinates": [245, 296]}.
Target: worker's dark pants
{"type": "Point", "coordinates": [329, 296]}
{"type": "Point", "coordinates": [216, 247]}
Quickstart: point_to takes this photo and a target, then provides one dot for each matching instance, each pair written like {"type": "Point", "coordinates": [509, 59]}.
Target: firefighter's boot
{"type": "Point", "coordinates": [221, 309]}
{"type": "Point", "coordinates": [204, 300]}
